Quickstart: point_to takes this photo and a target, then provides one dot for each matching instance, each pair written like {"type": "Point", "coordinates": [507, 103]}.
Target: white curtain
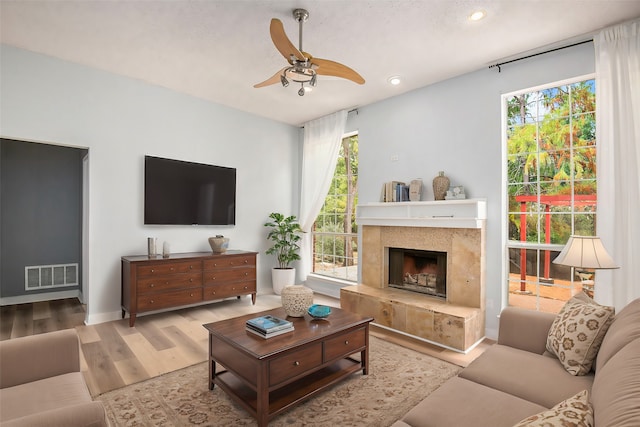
{"type": "Point", "coordinates": [618, 135]}
{"type": "Point", "coordinates": [322, 138]}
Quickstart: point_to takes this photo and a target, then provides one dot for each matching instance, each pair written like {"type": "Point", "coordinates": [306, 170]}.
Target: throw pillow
{"type": "Point", "coordinates": [575, 411]}
{"type": "Point", "coordinates": [577, 332]}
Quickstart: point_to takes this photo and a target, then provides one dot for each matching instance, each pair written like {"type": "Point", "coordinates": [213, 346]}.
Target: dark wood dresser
{"type": "Point", "coordinates": [155, 283]}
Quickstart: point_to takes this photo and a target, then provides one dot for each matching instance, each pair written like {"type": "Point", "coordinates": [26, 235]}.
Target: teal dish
{"type": "Point", "coordinates": [319, 311]}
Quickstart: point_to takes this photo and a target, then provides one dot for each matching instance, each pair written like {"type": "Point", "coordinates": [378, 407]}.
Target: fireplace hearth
{"type": "Point", "coordinates": [418, 271]}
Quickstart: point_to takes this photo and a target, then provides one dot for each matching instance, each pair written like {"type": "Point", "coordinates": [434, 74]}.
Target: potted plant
{"type": "Point", "coordinates": [284, 233]}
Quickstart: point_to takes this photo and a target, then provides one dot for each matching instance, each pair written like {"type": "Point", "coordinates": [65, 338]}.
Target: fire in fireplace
{"type": "Point", "coordinates": [418, 271]}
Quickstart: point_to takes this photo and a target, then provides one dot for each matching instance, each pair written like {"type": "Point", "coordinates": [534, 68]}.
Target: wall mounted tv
{"type": "Point", "coordinates": [186, 193]}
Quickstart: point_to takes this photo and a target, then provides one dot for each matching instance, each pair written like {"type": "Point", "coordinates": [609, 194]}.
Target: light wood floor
{"type": "Point", "coordinates": [114, 355]}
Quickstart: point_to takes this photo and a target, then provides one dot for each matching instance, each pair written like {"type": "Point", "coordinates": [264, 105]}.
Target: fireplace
{"type": "Point", "coordinates": [418, 271]}
{"type": "Point", "coordinates": [446, 233]}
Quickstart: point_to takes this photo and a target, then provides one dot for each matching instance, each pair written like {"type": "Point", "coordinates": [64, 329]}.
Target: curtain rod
{"type": "Point", "coordinates": [536, 54]}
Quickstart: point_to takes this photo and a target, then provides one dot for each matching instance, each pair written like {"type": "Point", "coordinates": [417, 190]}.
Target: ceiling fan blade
{"type": "Point", "coordinates": [271, 80]}
{"type": "Point", "coordinates": [282, 42]}
{"type": "Point", "coordinates": [332, 68]}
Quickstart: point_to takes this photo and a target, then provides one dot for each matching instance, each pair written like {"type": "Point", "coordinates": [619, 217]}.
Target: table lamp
{"type": "Point", "coordinates": [586, 254]}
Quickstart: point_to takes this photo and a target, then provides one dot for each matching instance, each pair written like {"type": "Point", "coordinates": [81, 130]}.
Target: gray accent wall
{"type": "Point", "coordinates": [40, 211]}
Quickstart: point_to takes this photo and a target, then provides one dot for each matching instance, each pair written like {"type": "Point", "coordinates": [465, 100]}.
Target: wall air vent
{"type": "Point", "coordinates": [50, 276]}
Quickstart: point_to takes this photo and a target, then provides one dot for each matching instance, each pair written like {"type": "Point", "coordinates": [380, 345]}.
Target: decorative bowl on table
{"type": "Point", "coordinates": [319, 311]}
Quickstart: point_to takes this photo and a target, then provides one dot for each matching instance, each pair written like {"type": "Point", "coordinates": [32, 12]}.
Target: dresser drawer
{"type": "Point", "coordinates": [170, 281]}
{"type": "Point", "coordinates": [235, 275]}
{"type": "Point", "coordinates": [228, 290]}
{"type": "Point", "coordinates": [229, 261]}
{"type": "Point", "coordinates": [168, 268]}
{"type": "Point", "coordinates": [344, 345]}
{"type": "Point", "coordinates": [148, 302]}
{"type": "Point", "coordinates": [297, 363]}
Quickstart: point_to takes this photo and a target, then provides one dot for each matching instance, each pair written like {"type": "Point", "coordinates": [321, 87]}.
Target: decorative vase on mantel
{"type": "Point", "coordinates": [440, 186]}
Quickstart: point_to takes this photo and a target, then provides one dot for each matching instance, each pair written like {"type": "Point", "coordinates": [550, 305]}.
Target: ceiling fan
{"type": "Point", "coordinates": [303, 68]}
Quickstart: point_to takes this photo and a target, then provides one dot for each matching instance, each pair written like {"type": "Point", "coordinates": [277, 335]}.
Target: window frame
{"type": "Point", "coordinates": [506, 244]}
{"type": "Point", "coordinates": [335, 278]}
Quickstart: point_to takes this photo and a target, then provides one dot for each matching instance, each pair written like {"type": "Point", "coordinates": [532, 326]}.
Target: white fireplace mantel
{"type": "Point", "coordinates": [465, 213]}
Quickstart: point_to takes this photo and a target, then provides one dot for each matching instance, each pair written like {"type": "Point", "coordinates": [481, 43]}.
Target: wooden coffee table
{"type": "Point", "coordinates": [269, 376]}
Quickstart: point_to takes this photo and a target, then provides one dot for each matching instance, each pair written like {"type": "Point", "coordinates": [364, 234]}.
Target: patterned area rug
{"type": "Point", "coordinates": [398, 379]}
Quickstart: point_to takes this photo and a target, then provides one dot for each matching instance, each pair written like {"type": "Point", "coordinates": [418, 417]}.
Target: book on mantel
{"type": "Point", "coordinates": [269, 324]}
{"type": "Point", "coordinates": [263, 334]}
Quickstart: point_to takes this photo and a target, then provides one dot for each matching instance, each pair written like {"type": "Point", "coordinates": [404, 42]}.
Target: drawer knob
{"type": "Point", "coordinates": [151, 301]}
{"type": "Point", "coordinates": [191, 280]}
{"type": "Point", "coordinates": [296, 363]}
{"type": "Point", "coordinates": [191, 294]}
{"type": "Point", "coordinates": [213, 293]}
{"type": "Point", "coordinates": [246, 274]}
{"type": "Point", "coordinates": [172, 268]}
{"type": "Point", "coordinates": [346, 342]}
{"type": "Point", "coordinates": [152, 270]}
{"type": "Point", "coordinates": [166, 283]}
{"type": "Point", "coordinates": [191, 267]}
{"type": "Point", "coordinates": [246, 261]}
{"type": "Point", "coordinates": [245, 288]}
{"type": "Point", "coordinates": [152, 285]}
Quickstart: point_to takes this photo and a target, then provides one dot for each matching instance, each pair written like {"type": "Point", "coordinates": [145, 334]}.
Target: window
{"type": "Point", "coordinates": [335, 234]}
{"type": "Point", "coordinates": [551, 188]}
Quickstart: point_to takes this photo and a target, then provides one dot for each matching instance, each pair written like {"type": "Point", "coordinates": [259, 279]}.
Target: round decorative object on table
{"type": "Point", "coordinates": [319, 311]}
{"type": "Point", "coordinates": [219, 244]}
{"type": "Point", "coordinates": [440, 186]}
{"type": "Point", "coordinates": [296, 300]}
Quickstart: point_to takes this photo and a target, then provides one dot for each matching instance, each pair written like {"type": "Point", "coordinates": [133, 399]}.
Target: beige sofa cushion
{"type": "Point", "coordinates": [460, 402]}
{"type": "Point", "coordinates": [577, 332]}
{"type": "Point", "coordinates": [575, 411]}
{"type": "Point", "coordinates": [616, 389]}
{"type": "Point", "coordinates": [624, 329]}
{"type": "Point", "coordinates": [43, 395]}
{"type": "Point", "coordinates": [529, 376]}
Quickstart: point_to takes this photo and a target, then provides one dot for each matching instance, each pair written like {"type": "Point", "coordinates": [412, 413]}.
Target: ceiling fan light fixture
{"type": "Point", "coordinates": [284, 81]}
{"type": "Point", "coordinates": [394, 80]}
{"type": "Point", "coordinates": [299, 74]}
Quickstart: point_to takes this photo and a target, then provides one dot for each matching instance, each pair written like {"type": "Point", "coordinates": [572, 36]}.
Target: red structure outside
{"type": "Point", "coordinates": [547, 201]}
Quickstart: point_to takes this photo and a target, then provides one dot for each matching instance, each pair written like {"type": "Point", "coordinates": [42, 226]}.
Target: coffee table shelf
{"type": "Point", "coordinates": [283, 398]}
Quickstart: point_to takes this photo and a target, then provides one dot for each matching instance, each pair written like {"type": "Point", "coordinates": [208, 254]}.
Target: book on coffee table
{"type": "Point", "coordinates": [270, 334]}
{"type": "Point", "coordinates": [269, 324]}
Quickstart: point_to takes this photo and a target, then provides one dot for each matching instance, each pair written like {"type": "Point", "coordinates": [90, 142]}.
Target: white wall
{"type": "Point", "coordinates": [120, 120]}
{"type": "Point", "coordinates": [455, 126]}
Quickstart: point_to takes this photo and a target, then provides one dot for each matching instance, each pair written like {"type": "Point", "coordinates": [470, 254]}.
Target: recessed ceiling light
{"type": "Point", "coordinates": [395, 80]}
{"type": "Point", "coordinates": [477, 15]}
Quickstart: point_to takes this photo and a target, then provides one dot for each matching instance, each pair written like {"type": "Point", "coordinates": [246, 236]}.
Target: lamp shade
{"type": "Point", "coordinates": [585, 252]}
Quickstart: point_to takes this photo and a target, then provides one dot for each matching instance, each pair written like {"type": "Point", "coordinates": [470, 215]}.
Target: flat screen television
{"type": "Point", "coordinates": [185, 193]}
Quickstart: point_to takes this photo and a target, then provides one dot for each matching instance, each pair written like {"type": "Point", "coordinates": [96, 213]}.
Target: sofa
{"type": "Point", "coordinates": [520, 381]}
{"type": "Point", "coordinates": [41, 383]}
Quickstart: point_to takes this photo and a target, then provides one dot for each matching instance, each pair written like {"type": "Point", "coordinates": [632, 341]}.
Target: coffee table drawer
{"type": "Point", "coordinates": [344, 345]}
{"type": "Point", "coordinates": [293, 364]}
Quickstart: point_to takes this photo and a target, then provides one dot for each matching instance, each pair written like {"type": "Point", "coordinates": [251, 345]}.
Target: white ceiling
{"type": "Point", "coordinates": [218, 49]}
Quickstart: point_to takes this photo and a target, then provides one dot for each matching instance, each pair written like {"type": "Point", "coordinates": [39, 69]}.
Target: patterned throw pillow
{"type": "Point", "coordinates": [577, 332]}
{"type": "Point", "coordinates": [576, 411]}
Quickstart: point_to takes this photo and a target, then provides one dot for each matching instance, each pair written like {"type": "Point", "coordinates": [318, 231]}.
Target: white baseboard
{"type": "Point", "coordinates": [94, 319]}
{"type": "Point", "coordinates": [45, 296]}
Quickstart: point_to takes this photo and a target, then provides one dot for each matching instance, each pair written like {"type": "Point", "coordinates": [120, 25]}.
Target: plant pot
{"type": "Point", "coordinates": [281, 277]}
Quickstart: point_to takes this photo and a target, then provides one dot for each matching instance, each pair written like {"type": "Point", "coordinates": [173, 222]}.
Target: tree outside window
{"type": "Point", "coordinates": [551, 188]}
{"type": "Point", "coordinates": [335, 233]}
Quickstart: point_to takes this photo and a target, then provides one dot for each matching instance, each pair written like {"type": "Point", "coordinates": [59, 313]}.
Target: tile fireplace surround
{"type": "Point", "coordinates": [456, 227]}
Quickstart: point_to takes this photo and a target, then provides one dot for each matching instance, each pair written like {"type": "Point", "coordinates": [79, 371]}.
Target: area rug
{"type": "Point", "coordinates": [398, 379]}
